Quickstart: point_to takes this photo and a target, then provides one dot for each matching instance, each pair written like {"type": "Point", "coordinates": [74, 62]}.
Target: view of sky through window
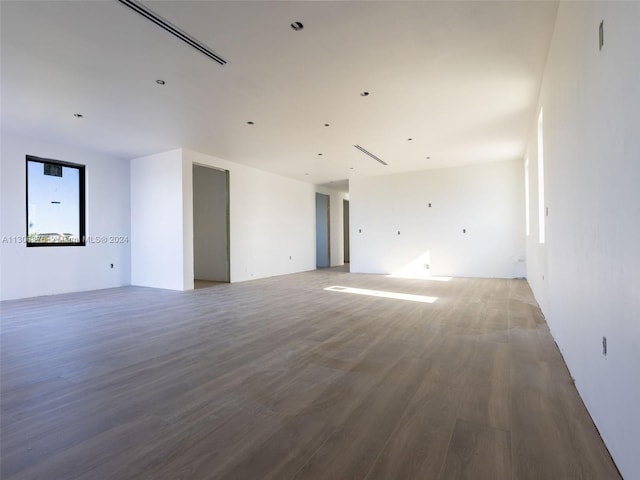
{"type": "Point", "coordinates": [53, 201]}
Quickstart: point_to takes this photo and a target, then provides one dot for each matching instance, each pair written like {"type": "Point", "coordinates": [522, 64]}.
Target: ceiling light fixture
{"type": "Point", "coordinates": [160, 82]}
{"type": "Point", "coordinates": [364, 94]}
{"type": "Point", "coordinates": [297, 26]}
{"type": "Point", "coordinates": [366, 152]}
{"type": "Point", "coordinates": [78, 115]}
{"type": "Point", "coordinates": [173, 30]}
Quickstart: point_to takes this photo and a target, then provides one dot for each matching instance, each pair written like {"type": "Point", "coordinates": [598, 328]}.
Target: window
{"type": "Point", "coordinates": [541, 207]}
{"type": "Point", "coordinates": [527, 218]}
{"type": "Point", "coordinates": [55, 203]}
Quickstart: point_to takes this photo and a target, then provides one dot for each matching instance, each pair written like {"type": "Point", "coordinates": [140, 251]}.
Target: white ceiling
{"type": "Point", "coordinates": [459, 78]}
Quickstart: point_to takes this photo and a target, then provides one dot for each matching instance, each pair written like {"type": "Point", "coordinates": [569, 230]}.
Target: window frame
{"type": "Point", "coordinates": [81, 201]}
{"type": "Point", "coordinates": [542, 228]}
{"type": "Point", "coordinates": [527, 198]}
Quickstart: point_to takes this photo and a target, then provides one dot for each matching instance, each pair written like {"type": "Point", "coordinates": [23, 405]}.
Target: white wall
{"type": "Point", "coordinates": [27, 272]}
{"type": "Point", "coordinates": [591, 104]}
{"type": "Point", "coordinates": [486, 200]}
{"type": "Point", "coordinates": [336, 225]}
{"type": "Point", "coordinates": [272, 220]}
{"type": "Point", "coordinates": [210, 224]}
{"type": "Point", "coordinates": [157, 253]}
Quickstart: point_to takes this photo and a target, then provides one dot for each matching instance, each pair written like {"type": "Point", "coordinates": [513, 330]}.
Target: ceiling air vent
{"type": "Point", "coordinates": [162, 23]}
{"type": "Point", "coordinates": [366, 152]}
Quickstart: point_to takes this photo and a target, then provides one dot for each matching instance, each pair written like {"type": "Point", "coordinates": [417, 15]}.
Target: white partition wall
{"type": "Point", "coordinates": [463, 221]}
{"type": "Point", "coordinates": [272, 220]}
{"type": "Point", "coordinates": [272, 227]}
{"type": "Point", "coordinates": [586, 274]}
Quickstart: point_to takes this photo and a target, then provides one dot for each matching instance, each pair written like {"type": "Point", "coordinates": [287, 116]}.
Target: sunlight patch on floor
{"type": "Point", "coordinates": [418, 269]}
{"type": "Point", "coordinates": [383, 294]}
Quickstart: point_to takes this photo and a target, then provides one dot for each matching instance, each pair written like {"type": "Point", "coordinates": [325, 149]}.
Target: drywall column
{"type": "Point", "coordinates": [157, 243]}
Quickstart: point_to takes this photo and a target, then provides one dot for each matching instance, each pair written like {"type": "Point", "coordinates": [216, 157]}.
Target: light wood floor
{"type": "Point", "coordinates": [281, 379]}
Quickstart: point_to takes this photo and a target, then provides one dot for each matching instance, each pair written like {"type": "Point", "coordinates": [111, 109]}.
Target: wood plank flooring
{"type": "Point", "coordinates": [282, 379]}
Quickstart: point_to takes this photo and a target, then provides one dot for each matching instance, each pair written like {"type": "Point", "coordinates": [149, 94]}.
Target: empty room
{"type": "Point", "coordinates": [319, 240]}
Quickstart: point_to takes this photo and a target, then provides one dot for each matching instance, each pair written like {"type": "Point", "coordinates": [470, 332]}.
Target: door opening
{"type": "Point", "coordinates": [210, 226]}
{"type": "Point", "coordinates": [323, 246]}
{"type": "Point", "coordinates": [345, 225]}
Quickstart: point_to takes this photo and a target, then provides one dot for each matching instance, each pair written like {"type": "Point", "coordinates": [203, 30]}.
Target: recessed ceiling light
{"type": "Point", "coordinates": [364, 94]}
{"type": "Point", "coordinates": [297, 26]}
{"type": "Point", "coordinates": [249, 123]}
{"type": "Point", "coordinates": [160, 82]}
{"type": "Point", "coordinates": [78, 115]}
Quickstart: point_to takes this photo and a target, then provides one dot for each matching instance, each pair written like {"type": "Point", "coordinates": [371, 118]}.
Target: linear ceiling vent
{"type": "Point", "coordinates": [366, 152]}
{"type": "Point", "coordinates": [162, 23]}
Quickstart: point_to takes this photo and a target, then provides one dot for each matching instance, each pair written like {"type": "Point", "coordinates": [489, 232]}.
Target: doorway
{"type": "Point", "coordinates": [345, 228]}
{"type": "Point", "coordinates": [323, 246]}
{"type": "Point", "coordinates": [210, 225]}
